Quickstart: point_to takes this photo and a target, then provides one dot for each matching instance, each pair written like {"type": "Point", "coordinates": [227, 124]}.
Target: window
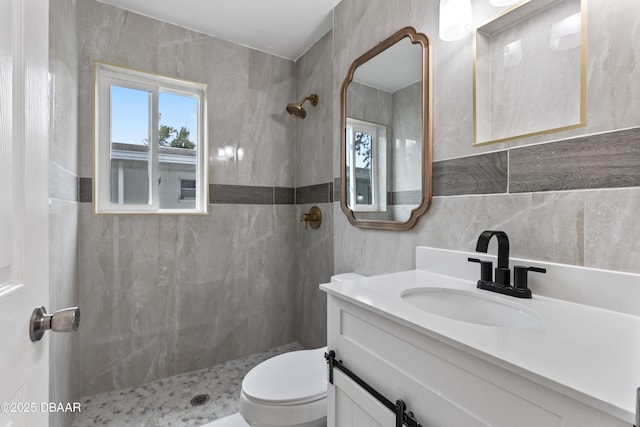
{"type": "Point", "coordinates": [151, 145]}
{"type": "Point", "coordinates": [187, 189]}
{"type": "Point", "coordinates": [366, 166]}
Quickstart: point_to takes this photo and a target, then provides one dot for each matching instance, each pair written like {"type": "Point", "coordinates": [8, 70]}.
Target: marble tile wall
{"type": "Point", "coordinates": [589, 221]}
{"type": "Point", "coordinates": [176, 293]}
{"type": "Point", "coordinates": [314, 185]}
{"type": "Point", "coordinates": [369, 104]}
{"type": "Point", "coordinates": [168, 294]}
{"type": "Point", "coordinates": [63, 198]}
{"type": "Point", "coordinates": [63, 348]}
{"type": "Point", "coordinates": [407, 127]}
{"type": "Point", "coordinates": [314, 134]}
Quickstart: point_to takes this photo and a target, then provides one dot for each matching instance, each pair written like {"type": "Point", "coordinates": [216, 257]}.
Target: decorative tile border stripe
{"type": "Point", "coordinates": [409, 197]}
{"type": "Point", "coordinates": [318, 193]}
{"type": "Point", "coordinates": [284, 195]}
{"type": "Point", "coordinates": [481, 174]}
{"type": "Point", "coordinates": [336, 189]}
{"type": "Point", "coordinates": [246, 194]}
{"type": "Point", "coordinates": [608, 160]}
{"type": "Point", "coordinates": [85, 190]}
{"type": "Point", "coordinates": [241, 194]}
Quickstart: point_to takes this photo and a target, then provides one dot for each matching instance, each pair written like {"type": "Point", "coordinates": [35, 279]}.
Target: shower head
{"type": "Point", "coordinates": [297, 111]}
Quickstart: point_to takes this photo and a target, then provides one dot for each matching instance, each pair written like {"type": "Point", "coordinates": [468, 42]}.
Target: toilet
{"type": "Point", "coordinates": [289, 389]}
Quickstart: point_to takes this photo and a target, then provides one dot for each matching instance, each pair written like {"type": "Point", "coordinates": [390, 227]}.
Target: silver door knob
{"type": "Point", "coordinates": [66, 320]}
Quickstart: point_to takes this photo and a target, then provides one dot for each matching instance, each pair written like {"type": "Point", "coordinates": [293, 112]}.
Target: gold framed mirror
{"type": "Point", "coordinates": [386, 134]}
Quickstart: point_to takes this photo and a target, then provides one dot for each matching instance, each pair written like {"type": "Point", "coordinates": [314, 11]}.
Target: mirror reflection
{"type": "Point", "coordinates": [386, 141]}
{"type": "Point", "coordinates": [366, 166]}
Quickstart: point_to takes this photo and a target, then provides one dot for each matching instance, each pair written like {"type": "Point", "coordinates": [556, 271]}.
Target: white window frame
{"type": "Point", "coordinates": [378, 165]}
{"type": "Point", "coordinates": [106, 75]}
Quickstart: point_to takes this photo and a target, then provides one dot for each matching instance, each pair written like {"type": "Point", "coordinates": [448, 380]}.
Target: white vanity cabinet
{"type": "Point", "coordinates": [443, 382]}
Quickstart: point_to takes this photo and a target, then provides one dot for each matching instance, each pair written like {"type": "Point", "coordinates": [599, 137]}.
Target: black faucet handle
{"type": "Point", "coordinates": [520, 275]}
{"type": "Point", "coordinates": [486, 269]}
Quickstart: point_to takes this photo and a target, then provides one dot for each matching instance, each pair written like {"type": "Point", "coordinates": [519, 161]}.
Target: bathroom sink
{"type": "Point", "coordinates": [472, 307]}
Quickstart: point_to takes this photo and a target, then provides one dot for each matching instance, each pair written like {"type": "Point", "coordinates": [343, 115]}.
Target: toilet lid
{"type": "Point", "coordinates": [290, 378]}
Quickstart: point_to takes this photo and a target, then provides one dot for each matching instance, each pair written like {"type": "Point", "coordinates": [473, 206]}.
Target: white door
{"type": "Point", "coordinates": [24, 240]}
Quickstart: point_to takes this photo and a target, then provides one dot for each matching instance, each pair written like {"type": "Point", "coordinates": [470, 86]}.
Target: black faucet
{"type": "Point", "coordinates": [502, 272]}
{"type": "Point", "coordinates": [502, 282]}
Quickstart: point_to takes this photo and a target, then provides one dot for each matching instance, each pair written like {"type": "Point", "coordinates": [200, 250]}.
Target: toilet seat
{"type": "Point", "coordinates": [291, 378]}
{"type": "Point", "coordinates": [288, 389]}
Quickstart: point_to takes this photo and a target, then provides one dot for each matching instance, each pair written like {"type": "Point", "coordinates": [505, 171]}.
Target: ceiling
{"type": "Point", "coordinates": [285, 28]}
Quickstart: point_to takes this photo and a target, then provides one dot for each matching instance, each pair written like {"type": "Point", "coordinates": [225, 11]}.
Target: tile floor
{"type": "Point", "coordinates": [166, 402]}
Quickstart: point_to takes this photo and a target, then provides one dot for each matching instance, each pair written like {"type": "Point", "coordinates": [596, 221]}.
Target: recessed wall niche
{"type": "Point", "coordinates": [530, 71]}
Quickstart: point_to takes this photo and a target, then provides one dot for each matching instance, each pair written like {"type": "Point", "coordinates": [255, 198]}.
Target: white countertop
{"type": "Point", "coordinates": [588, 353]}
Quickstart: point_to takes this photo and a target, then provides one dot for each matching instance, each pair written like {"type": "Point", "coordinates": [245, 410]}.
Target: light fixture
{"type": "Point", "coordinates": [500, 3]}
{"type": "Point", "coordinates": [455, 19]}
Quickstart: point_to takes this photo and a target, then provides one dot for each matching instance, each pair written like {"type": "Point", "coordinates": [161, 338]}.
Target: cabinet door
{"type": "Point", "coordinates": [350, 405]}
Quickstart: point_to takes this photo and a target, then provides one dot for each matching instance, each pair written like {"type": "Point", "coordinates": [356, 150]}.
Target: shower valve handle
{"type": "Point", "coordinates": [313, 218]}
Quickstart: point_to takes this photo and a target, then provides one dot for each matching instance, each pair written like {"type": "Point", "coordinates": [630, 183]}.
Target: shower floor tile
{"type": "Point", "coordinates": [166, 402]}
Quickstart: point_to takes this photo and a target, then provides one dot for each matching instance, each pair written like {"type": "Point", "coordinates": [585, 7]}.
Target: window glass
{"type": "Point", "coordinates": [187, 189]}
{"type": "Point", "coordinates": [363, 146]}
{"type": "Point", "coordinates": [366, 166]}
{"type": "Point", "coordinates": [177, 149]}
{"type": "Point", "coordinates": [130, 136]}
